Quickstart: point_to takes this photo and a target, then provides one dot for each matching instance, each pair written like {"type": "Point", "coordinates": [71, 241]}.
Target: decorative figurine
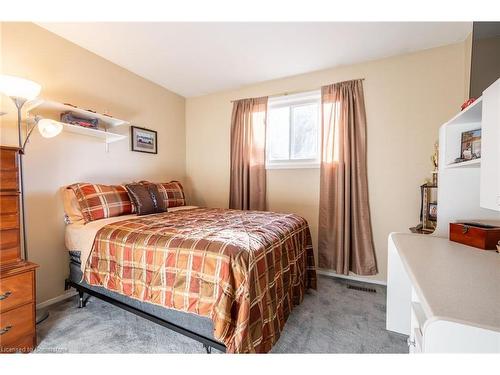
{"type": "Point", "coordinates": [435, 161]}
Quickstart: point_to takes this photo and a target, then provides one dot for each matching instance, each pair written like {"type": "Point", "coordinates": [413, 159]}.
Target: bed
{"type": "Point", "coordinates": [226, 278]}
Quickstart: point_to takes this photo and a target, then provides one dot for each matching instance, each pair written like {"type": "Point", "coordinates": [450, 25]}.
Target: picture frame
{"type": "Point", "coordinates": [471, 145]}
{"type": "Point", "coordinates": [143, 140]}
{"type": "Point", "coordinates": [432, 211]}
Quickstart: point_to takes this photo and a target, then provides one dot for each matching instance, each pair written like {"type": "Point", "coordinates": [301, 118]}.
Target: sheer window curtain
{"type": "Point", "coordinates": [248, 139]}
{"type": "Point", "coordinates": [345, 241]}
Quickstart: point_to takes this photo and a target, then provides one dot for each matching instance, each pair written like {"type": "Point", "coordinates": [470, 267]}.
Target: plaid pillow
{"type": "Point", "coordinates": [102, 201]}
{"type": "Point", "coordinates": [172, 193]}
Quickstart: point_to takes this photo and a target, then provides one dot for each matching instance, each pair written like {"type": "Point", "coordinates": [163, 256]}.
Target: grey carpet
{"type": "Point", "coordinates": [333, 319]}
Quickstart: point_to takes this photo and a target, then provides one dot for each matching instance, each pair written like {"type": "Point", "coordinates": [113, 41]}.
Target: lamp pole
{"type": "Point", "coordinates": [19, 102]}
{"type": "Point", "coordinates": [20, 90]}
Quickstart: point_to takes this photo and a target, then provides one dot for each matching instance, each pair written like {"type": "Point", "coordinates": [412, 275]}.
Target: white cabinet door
{"type": "Point", "coordinates": [399, 289]}
{"type": "Point", "coordinates": [490, 148]}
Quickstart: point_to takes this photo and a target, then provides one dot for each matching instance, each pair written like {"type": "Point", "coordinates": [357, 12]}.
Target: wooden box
{"type": "Point", "coordinates": [478, 235]}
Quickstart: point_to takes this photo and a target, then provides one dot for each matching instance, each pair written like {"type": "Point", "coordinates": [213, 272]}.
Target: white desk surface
{"type": "Point", "coordinates": [453, 281]}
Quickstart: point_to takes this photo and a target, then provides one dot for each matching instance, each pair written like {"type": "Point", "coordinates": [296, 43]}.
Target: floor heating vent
{"type": "Point", "coordinates": [363, 289]}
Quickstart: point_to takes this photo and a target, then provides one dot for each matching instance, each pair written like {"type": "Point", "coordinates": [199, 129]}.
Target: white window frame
{"type": "Point", "coordinates": [295, 100]}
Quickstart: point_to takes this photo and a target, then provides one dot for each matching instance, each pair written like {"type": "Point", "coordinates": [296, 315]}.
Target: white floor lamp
{"type": "Point", "coordinates": [21, 90]}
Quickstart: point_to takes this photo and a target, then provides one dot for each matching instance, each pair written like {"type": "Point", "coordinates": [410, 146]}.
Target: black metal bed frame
{"type": "Point", "coordinates": [208, 343]}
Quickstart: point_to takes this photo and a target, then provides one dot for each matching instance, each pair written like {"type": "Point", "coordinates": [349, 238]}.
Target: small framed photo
{"type": "Point", "coordinates": [433, 211]}
{"type": "Point", "coordinates": [471, 145]}
{"type": "Point", "coordinates": [143, 140]}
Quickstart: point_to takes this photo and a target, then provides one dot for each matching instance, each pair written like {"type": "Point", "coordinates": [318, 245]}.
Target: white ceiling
{"type": "Point", "coordinates": [194, 59]}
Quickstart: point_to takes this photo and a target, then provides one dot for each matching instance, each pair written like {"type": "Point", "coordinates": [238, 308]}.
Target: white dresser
{"type": "Point", "coordinates": [444, 295]}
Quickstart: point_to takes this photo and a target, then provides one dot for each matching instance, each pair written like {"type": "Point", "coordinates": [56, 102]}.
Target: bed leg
{"type": "Point", "coordinates": [207, 348]}
{"type": "Point", "coordinates": [81, 300]}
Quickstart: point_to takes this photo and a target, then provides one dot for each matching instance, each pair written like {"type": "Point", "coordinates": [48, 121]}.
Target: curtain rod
{"type": "Point", "coordinates": [300, 91]}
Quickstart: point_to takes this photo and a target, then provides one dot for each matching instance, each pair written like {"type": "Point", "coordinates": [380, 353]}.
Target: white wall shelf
{"type": "Point", "coordinates": [463, 186]}
{"type": "Point", "coordinates": [108, 137]}
{"type": "Point", "coordinates": [471, 114]}
{"type": "Point", "coordinates": [474, 163]}
{"type": "Point", "coordinates": [105, 122]}
{"type": "Point", "coordinates": [466, 120]}
{"type": "Point", "coordinates": [47, 105]}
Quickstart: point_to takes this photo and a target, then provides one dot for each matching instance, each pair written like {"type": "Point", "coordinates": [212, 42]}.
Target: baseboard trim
{"type": "Point", "coordinates": [349, 277]}
{"type": "Point", "coordinates": [68, 294]}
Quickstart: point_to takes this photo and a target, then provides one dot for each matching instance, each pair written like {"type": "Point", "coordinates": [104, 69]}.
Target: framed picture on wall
{"type": "Point", "coordinates": [433, 211]}
{"type": "Point", "coordinates": [143, 140]}
{"type": "Point", "coordinates": [471, 145]}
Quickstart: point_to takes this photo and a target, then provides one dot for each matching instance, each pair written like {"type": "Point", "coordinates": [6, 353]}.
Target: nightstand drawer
{"type": "Point", "coordinates": [16, 290]}
{"type": "Point", "coordinates": [16, 326]}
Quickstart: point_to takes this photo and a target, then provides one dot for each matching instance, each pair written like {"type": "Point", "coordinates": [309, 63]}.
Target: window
{"type": "Point", "coordinates": [293, 137]}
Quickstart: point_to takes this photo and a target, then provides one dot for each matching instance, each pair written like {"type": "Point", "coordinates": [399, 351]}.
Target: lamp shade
{"type": "Point", "coordinates": [17, 87]}
{"type": "Point", "coordinates": [49, 128]}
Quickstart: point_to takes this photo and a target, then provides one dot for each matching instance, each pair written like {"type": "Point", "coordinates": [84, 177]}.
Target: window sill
{"type": "Point", "coordinates": [293, 166]}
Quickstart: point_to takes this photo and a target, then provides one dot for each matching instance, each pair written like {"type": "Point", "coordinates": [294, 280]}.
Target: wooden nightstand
{"type": "Point", "coordinates": [17, 308]}
{"type": "Point", "coordinates": [17, 277]}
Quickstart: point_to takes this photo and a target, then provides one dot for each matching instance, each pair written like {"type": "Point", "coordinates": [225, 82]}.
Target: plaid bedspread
{"type": "Point", "coordinates": [243, 269]}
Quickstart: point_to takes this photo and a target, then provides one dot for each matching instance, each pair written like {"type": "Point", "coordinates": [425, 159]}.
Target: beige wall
{"type": "Point", "coordinates": [407, 99]}
{"type": "Point", "coordinates": [71, 74]}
